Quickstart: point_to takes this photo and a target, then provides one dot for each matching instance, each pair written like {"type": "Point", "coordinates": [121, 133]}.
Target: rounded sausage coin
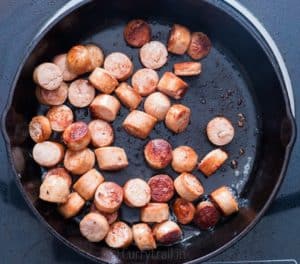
{"type": "Point", "coordinates": [96, 56]}
{"type": "Point", "coordinates": [162, 188]}
{"type": "Point", "coordinates": [167, 232]}
{"type": "Point", "coordinates": [137, 193]}
{"type": "Point", "coordinates": [143, 237]}
{"type": "Point", "coordinates": [60, 117]}
{"type": "Point", "coordinates": [184, 211]}
{"type": "Point", "coordinates": [77, 136]}
{"type": "Point", "coordinates": [200, 46]}
{"type": "Point", "coordinates": [72, 206]}
{"type": "Point", "coordinates": [128, 96]}
{"type": "Point", "coordinates": [145, 81]}
{"type": "Point", "coordinates": [48, 153]}
{"type": "Point", "coordinates": [178, 118]}
{"type": "Point", "coordinates": [119, 235]}
{"type": "Point", "coordinates": [102, 133]}
{"type": "Point", "coordinates": [61, 61]}
{"type": "Point", "coordinates": [78, 59]}
{"type": "Point", "coordinates": [157, 105]}
{"type": "Point", "coordinates": [81, 93]}
{"type": "Point", "coordinates": [207, 215]}
{"type": "Point", "coordinates": [39, 129]}
{"type": "Point", "coordinates": [137, 33]}
{"type": "Point", "coordinates": [179, 39]}
{"type": "Point", "coordinates": [52, 97]}
{"type": "Point", "coordinates": [184, 159]}
{"type": "Point", "coordinates": [153, 55]}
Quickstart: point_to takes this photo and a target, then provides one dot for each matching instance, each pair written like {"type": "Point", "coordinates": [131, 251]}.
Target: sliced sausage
{"type": "Point", "coordinates": [110, 217]}
{"type": "Point", "coordinates": [52, 97]}
{"type": "Point", "coordinates": [162, 188]}
{"type": "Point", "coordinates": [220, 131]}
{"type": "Point", "coordinates": [188, 186]}
{"type": "Point", "coordinates": [153, 55]}
{"type": "Point", "coordinates": [184, 211]}
{"type": "Point", "coordinates": [190, 68]}
{"type": "Point", "coordinates": [87, 184]}
{"type": "Point", "coordinates": [128, 96]}
{"type": "Point", "coordinates": [96, 56]}
{"type": "Point", "coordinates": [157, 105]}
{"type": "Point", "coordinates": [60, 117]}
{"type": "Point", "coordinates": [94, 227]}
{"type": "Point", "coordinates": [118, 65]}
{"type": "Point", "coordinates": [143, 237]}
{"type": "Point", "coordinates": [79, 162]}
{"type": "Point", "coordinates": [139, 124]}
{"type": "Point", "coordinates": [111, 158]}
{"type": "Point", "coordinates": [137, 33]}
{"type": "Point", "coordinates": [61, 172]}
{"type": "Point", "coordinates": [184, 159]}
{"type": "Point", "coordinates": [81, 93]}
{"type": "Point", "coordinates": [225, 200]}
{"type": "Point", "coordinates": [39, 128]}
{"type": "Point", "coordinates": [48, 76]}
{"type": "Point", "coordinates": [172, 85]}
{"type": "Point", "coordinates": [207, 215]}
{"type": "Point", "coordinates": [145, 81]}
{"type": "Point", "coordinates": [108, 197]}
{"type": "Point", "coordinates": [48, 153]}
{"type": "Point", "coordinates": [78, 59]}
{"type": "Point", "coordinates": [72, 206]}
{"type": "Point", "coordinates": [102, 133]}
{"type": "Point", "coordinates": [61, 61]}
{"type": "Point", "coordinates": [105, 107]}
{"type": "Point", "coordinates": [158, 153]}
{"type": "Point", "coordinates": [54, 189]}
{"type": "Point", "coordinates": [119, 235]}
{"type": "Point", "coordinates": [178, 118]}
{"type": "Point", "coordinates": [200, 46]}
{"type": "Point", "coordinates": [136, 193]}
{"type": "Point", "coordinates": [155, 212]}
{"type": "Point", "coordinates": [103, 81]}
{"type": "Point", "coordinates": [179, 39]}
{"type": "Point", "coordinates": [212, 162]}
{"type": "Point", "coordinates": [167, 232]}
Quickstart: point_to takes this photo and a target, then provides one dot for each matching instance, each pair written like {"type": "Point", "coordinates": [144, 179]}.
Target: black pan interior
{"type": "Point", "coordinates": [238, 78]}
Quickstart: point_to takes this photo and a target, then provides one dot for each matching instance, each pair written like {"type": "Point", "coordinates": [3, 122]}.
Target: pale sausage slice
{"type": "Point", "coordinates": [72, 206]}
{"type": "Point", "coordinates": [184, 211]}
{"type": "Point", "coordinates": [143, 237]}
{"type": "Point", "coordinates": [172, 85]}
{"type": "Point", "coordinates": [137, 33]}
{"type": "Point", "coordinates": [157, 105]}
{"type": "Point", "coordinates": [136, 193]}
{"type": "Point", "coordinates": [178, 118]}
{"type": "Point", "coordinates": [153, 55]}
{"type": "Point", "coordinates": [61, 61]}
{"type": "Point", "coordinates": [190, 68]}
{"type": "Point", "coordinates": [61, 172]}
{"type": "Point", "coordinates": [188, 186]}
{"type": "Point", "coordinates": [118, 65]}
{"type": "Point", "coordinates": [94, 227]}
{"type": "Point", "coordinates": [128, 96]}
{"type": "Point", "coordinates": [79, 162]}
{"type": "Point", "coordinates": [155, 212]}
{"type": "Point", "coordinates": [220, 131]}
{"type": "Point", "coordinates": [103, 81]}
{"type": "Point", "coordinates": [39, 128]}
{"type": "Point", "coordinates": [212, 162]}
{"type": "Point", "coordinates": [96, 56]}
{"type": "Point", "coordinates": [102, 133]}
{"type": "Point", "coordinates": [139, 124]}
{"type": "Point", "coordinates": [184, 159]}
{"type": "Point", "coordinates": [52, 97]}
{"type": "Point", "coordinates": [77, 136]}
{"type": "Point", "coordinates": [110, 217]}
{"type": "Point", "coordinates": [145, 81]}
{"type": "Point", "coordinates": [225, 200]}
{"type": "Point", "coordinates": [87, 184]}
{"type": "Point", "coordinates": [119, 235]}
{"type": "Point", "coordinates": [78, 59]}
{"type": "Point", "coordinates": [108, 197]}
{"type": "Point", "coordinates": [60, 117]}
{"type": "Point", "coordinates": [105, 107]}
{"type": "Point", "coordinates": [200, 46]}
{"type": "Point", "coordinates": [48, 153]}
{"type": "Point", "coordinates": [48, 76]}
{"type": "Point", "coordinates": [179, 39]}
{"type": "Point", "coordinates": [111, 158]}
{"type": "Point", "coordinates": [167, 232]}
{"type": "Point", "coordinates": [81, 93]}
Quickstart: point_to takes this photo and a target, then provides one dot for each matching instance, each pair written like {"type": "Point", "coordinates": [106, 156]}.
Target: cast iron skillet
{"type": "Point", "coordinates": [244, 73]}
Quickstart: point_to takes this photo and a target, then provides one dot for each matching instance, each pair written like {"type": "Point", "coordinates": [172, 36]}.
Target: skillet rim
{"type": "Point", "coordinates": [247, 20]}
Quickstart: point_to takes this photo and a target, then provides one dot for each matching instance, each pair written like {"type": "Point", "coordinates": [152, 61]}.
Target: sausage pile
{"type": "Point", "coordinates": [83, 145]}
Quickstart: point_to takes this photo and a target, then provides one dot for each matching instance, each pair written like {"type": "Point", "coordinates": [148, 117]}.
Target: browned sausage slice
{"type": "Point", "coordinates": [157, 105]}
{"type": "Point", "coordinates": [145, 81]}
{"type": "Point", "coordinates": [184, 211]}
{"type": "Point", "coordinates": [187, 68]}
{"type": "Point", "coordinates": [162, 188]}
{"type": "Point", "coordinates": [143, 237]}
{"type": "Point", "coordinates": [155, 212]}
{"type": "Point", "coordinates": [60, 117]}
{"type": "Point", "coordinates": [158, 153]}
{"type": "Point", "coordinates": [103, 81]}
{"type": "Point", "coordinates": [52, 97]}
{"type": "Point", "coordinates": [167, 232]}
{"type": "Point", "coordinates": [136, 193]}
{"type": "Point", "coordinates": [184, 159]}
{"type": "Point", "coordinates": [111, 158]}
{"type": "Point", "coordinates": [207, 215]}
{"type": "Point", "coordinates": [78, 59]}
{"type": "Point", "coordinates": [81, 93]}
{"type": "Point", "coordinates": [179, 39]}
{"type": "Point", "coordinates": [102, 133]}
{"type": "Point", "coordinates": [39, 129]}
{"type": "Point", "coordinates": [61, 61]}
{"type": "Point", "coordinates": [108, 197]}
{"type": "Point", "coordinates": [178, 118]}
{"type": "Point", "coordinates": [48, 153]}
{"type": "Point", "coordinates": [94, 227]}
{"type": "Point", "coordinates": [200, 46]}
{"type": "Point", "coordinates": [212, 161]}
{"type": "Point", "coordinates": [119, 235]}
{"type": "Point", "coordinates": [48, 76]}
{"type": "Point", "coordinates": [72, 206]}
{"type": "Point", "coordinates": [128, 96]}
{"type": "Point", "coordinates": [153, 55]}
{"type": "Point", "coordinates": [137, 33]}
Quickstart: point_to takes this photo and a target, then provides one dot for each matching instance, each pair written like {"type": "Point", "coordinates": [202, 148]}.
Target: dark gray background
{"type": "Point", "coordinates": [22, 237]}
